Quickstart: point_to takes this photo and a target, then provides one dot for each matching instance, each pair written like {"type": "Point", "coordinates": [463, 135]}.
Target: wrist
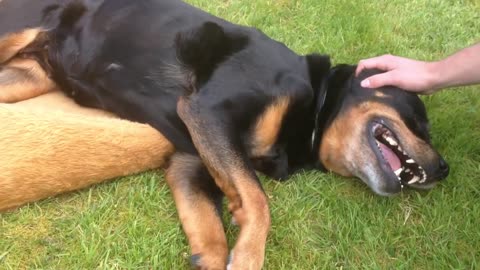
{"type": "Point", "coordinates": [435, 75]}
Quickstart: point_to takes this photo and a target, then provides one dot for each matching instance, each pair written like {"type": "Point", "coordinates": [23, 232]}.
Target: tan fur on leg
{"type": "Point", "coordinates": [21, 79]}
{"type": "Point", "coordinates": [11, 44]}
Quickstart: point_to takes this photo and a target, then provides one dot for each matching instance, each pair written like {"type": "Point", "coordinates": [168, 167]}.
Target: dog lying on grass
{"type": "Point", "coordinates": [227, 100]}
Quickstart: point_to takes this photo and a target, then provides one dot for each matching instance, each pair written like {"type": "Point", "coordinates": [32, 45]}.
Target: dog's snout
{"type": "Point", "coordinates": [443, 169]}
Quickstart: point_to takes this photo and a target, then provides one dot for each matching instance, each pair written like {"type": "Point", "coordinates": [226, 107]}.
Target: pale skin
{"type": "Point", "coordinates": [461, 68]}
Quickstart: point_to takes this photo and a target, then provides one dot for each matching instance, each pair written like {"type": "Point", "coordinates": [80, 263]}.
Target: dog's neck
{"type": "Point", "coordinates": [328, 103]}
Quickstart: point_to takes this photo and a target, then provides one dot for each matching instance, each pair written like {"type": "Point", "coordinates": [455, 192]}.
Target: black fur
{"type": "Point", "coordinates": [140, 72]}
{"type": "Point", "coordinates": [137, 59]}
{"type": "Point", "coordinates": [103, 56]}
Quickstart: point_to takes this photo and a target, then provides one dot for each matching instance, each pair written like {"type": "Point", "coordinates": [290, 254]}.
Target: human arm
{"type": "Point", "coordinates": [461, 68]}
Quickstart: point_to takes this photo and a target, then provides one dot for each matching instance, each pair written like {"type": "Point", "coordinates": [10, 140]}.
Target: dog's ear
{"type": "Point", "coordinates": [337, 84]}
{"type": "Point", "coordinates": [72, 13]}
{"type": "Point", "coordinates": [319, 68]}
{"type": "Point", "coordinates": [340, 74]}
{"type": "Point", "coordinates": [203, 48]}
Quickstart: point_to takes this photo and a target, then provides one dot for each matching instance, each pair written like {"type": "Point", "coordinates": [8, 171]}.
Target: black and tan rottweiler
{"type": "Point", "coordinates": [230, 99]}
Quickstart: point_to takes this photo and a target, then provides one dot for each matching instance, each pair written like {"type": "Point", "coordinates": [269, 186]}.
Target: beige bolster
{"type": "Point", "coordinates": [49, 145]}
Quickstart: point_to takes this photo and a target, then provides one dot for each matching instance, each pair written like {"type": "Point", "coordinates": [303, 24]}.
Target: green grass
{"type": "Point", "coordinates": [320, 221]}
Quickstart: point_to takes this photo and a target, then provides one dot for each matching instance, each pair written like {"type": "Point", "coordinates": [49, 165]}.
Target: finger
{"type": "Point", "coordinates": [360, 67]}
{"type": "Point", "coordinates": [379, 80]}
{"type": "Point", "coordinates": [384, 62]}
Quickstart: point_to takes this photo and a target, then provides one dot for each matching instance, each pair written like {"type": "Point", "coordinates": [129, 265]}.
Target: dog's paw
{"type": "Point", "coordinates": [234, 221]}
{"type": "Point", "coordinates": [230, 259]}
{"type": "Point", "coordinates": [197, 261]}
{"type": "Point", "coordinates": [238, 260]}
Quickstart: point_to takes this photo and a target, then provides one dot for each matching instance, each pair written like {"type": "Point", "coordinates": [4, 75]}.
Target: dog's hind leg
{"type": "Point", "coordinates": [222, 154]}
{"type": "Point", "coordinates": [13, 43]}
{"type": "Point", "coordinates": [22, 79]}
{"type": "Point", "coordinates": [199, 203]}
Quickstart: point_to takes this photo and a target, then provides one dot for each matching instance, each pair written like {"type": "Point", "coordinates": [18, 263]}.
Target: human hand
{"type": "Point", "coordinates": [408, 74]}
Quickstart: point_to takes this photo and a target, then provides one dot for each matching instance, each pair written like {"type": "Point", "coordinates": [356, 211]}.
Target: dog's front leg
{"type": "Point", "coordinates": [221, 152]}
{"type": "Point", "coordinates": [199, 204]}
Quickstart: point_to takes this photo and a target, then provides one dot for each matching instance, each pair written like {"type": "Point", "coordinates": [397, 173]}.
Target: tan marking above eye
{"type": "Point", "coordinates": [381, 94]}
{"type": "Point", "coordinates": [268, 126]}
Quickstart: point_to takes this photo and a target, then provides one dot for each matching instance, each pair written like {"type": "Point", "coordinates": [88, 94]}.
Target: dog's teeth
{"type": "Point", "coordinates": [391, 141]}
{"type": "Point", "coordinates": [414, 180]}
{"type": "Point", "coordinates": [424, 178]}
{"type": "Point", "coordinates": [410, 161]}
{"type": "Point", "coordinates": [407, 170]}
{"type": "Point", "coordinates": [398, 172]}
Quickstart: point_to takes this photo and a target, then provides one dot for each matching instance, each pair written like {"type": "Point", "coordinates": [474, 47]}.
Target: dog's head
{"type": "Point", "coordinates": [380, 136]}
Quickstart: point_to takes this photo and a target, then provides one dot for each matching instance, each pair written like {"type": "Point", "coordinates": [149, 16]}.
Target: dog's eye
{"type": "Point", "coordinates": [422, 129]}
{"type": "Point", "coordinates": [276, 156]}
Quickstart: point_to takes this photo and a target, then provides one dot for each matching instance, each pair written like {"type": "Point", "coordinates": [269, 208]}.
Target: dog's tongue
{"type": "Point", "coordinates": [390, 157]}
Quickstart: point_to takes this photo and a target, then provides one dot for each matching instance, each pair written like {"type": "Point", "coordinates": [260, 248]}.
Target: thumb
{"type": "Point", "coordinates": [377, 81]}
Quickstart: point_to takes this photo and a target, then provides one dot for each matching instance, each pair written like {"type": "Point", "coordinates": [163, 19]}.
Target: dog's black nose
{"type": "Point", "coordinates": [443, 169]}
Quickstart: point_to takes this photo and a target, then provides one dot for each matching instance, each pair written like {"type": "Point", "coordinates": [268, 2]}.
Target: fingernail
{"type": "Point", "coordinates": [365, 83]}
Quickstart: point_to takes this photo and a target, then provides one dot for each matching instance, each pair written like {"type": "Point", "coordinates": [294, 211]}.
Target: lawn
{"type": "Point", "coordinates": [320, 221]}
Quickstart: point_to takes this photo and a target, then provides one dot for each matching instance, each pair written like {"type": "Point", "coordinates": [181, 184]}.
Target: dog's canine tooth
{"type": "Point", "coordinates": [399, 171]}
{"type": "Point", "coordinates": [424, 177]}
{"type": "Point", "coordinates": [410, 161]}
{"type": "Point", "coordinates": [391, 141]}
{"type": "Point", "coordinates": [407, 170]}
{"type": "Point", "coordinates": [414, 180]}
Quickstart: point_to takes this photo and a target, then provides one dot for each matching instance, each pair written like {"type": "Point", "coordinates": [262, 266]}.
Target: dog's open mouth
{"type": "Point", "coordinates": [407, 171]}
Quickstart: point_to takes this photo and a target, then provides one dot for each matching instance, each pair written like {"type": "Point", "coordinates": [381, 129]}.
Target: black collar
{"type": "Point", "coordinates": [328, 102]}
{"type": "Point", "coordinates": [319, 105]}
